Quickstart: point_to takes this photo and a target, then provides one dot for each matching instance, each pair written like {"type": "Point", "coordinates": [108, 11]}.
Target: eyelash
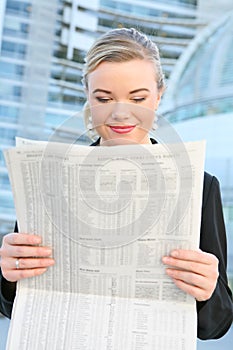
{"type": "Point", "coordinates": [103, 99]}
{"type": "Point", "coordinates": [106, 100]}
{"type": "Point", "coordinates": [139, 99]}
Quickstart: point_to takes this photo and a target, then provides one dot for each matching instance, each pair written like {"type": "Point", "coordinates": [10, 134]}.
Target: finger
{"type": "Point", "coordinates": [16, 275]}
{"type": "Point", "coordinates": [189, 278]}
{"type": "Point", "coordinates": [193, 255]}
{"type": "Point", "coordinates": [198, 293]}
{"type": "Point", "coordinates": [26, 263]}
{"type": "Point", "coordinates": [199, 268]}
{"type": "Point", "coordinates": [20, 251]}
{"type": "Point", "coordinates": [194, 291]}
{"type": "Point", "coordinates": [21, 239]}
{"type": "Point", "coordinates": [198, 286]}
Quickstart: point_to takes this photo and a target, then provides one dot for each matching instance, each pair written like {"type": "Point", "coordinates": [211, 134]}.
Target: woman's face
{"type": "Point", "coordinates": [123, 98]}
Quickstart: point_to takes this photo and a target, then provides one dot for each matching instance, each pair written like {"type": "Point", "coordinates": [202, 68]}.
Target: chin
{"type": "Point", "coordinates": [117, 141]}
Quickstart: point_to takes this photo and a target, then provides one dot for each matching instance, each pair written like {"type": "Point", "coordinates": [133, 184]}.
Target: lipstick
{"type": "Point", "coordinates": [122, 129]}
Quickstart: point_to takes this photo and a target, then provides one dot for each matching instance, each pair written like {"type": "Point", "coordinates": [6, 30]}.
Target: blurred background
{"type": "Point", "coordinates": [42, 49]}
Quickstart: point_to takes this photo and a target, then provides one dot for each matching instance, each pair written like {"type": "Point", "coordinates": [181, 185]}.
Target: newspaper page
{"type": "Point", "coordinates": [110, 214]}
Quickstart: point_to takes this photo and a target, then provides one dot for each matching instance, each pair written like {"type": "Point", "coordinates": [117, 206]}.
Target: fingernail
{"type": "Point", "coordinates": [175, 253]}
{"type": "Point", "coordinates": [165, 259]}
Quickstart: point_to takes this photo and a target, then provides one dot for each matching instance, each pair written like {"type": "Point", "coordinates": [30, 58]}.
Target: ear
{"type": "Point", "coordinates": [86, 93]}
{"type": "Point", "coordinates": [158, 99]}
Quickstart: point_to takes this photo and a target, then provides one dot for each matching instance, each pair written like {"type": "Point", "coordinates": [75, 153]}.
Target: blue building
{"type": "Point", "coordinates": [199, 104]}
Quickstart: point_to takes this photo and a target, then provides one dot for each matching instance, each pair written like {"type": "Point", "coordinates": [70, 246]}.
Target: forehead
{"type": "Point", "coordinates": [130, 73]}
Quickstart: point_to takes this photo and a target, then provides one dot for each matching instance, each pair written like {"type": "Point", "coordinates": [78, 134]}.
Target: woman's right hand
{"type": "Point", "coordinates": [23, 257]}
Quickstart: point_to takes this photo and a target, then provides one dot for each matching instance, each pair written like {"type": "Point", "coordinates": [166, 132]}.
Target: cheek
{"type": "Point", "coordinates": [100, 113]}
{"type": "Point", "coordinates": [145, 117]}
{"type": "Point", "coordinates": [147, 122]}
{"type": "Point", "coordinates": [96, 116]}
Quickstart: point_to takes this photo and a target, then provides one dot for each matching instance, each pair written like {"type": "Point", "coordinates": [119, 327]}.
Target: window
{"type": "Point", "coordinates": [16, 28]}
{"type": "Point", "coordinates": [11, 70]}
{"type": "Point", "coordinates": [18, 7]}
{"type": "Point", "coordinates": [11, 49]}
{"type": "Point", "coordinates": [7, 112]}
{"type": "Point", "coordinates": [10, 92]}
{"type": "Point", "coordinates": [4, 179]}
{"type": "Point", "coordinates": [72, 75]}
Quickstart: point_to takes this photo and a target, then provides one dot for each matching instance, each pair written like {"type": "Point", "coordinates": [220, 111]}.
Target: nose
{"type": "Point", "coordinates": [120, 111]}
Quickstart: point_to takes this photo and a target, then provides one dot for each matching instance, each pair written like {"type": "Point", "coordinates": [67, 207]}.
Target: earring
{"type": "Point", "coordinates": [89, 124]}
{"type": "Point", "coordinates": [155, 125]}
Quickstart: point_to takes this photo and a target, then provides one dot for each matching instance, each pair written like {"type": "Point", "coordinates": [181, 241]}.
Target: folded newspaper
{"type": "Point", "coordinates": [110, 214]}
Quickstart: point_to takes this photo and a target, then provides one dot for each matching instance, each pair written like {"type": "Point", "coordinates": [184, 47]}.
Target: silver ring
{"type": "Point", "coordinates": [17, 264]}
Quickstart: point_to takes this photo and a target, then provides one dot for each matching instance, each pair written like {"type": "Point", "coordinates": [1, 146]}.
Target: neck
{"type": "Point", "coordinates": [121, 142]}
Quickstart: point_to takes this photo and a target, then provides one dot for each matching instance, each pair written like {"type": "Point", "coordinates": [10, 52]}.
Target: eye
{"type": "Point", "coordinates": [103, 99]}
{"type": "Point", "coordinates": [138, 99]}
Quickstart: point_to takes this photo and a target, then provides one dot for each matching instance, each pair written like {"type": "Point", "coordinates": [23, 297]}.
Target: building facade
{"type": "Point", "coordinates": [199, 104]}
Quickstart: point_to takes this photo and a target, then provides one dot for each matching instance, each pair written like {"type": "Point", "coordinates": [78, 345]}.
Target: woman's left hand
{"type": "Point", "coordinates": [195, 272]}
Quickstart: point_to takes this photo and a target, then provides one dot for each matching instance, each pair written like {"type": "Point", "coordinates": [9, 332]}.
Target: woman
{"type": "Point", "coordinates": [122, 77]}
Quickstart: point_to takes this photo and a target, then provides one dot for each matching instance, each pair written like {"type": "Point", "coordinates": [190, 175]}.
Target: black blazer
{"type": "Point", "coordinates": [214, 315]}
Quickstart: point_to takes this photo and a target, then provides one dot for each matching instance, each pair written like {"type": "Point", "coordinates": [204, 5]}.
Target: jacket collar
{"type": "Point", "coordinates": [97, 142]}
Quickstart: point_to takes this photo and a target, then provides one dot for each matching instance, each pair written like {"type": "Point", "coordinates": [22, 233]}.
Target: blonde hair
{"type": "Point", "coordinates": [121, 45]}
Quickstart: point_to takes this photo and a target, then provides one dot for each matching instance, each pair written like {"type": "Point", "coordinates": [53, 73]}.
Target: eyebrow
{"type": "Point", "coordinates": [101, 90]}
{"type": "Point", "coordinates": [109, 92]}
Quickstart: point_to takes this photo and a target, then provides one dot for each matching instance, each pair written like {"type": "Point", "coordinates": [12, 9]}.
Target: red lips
{"type": "Point", "coordinates": [122, 129]}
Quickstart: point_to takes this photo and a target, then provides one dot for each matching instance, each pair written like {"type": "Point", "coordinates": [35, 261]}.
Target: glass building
{"type": "Point", "coordinates": [199, 104]}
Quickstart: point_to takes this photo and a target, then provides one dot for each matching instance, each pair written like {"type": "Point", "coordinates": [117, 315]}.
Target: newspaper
{"type": "Point", "coordinates": [110, 214]}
